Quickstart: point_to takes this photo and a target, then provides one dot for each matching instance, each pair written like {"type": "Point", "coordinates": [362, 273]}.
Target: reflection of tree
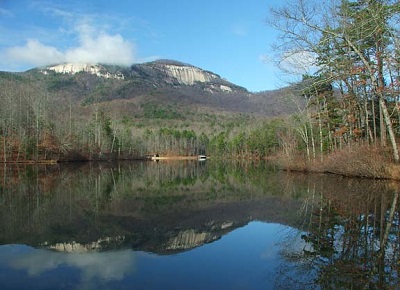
{"type": "Point", "coordinates": [351, 240]}
{"type": "Point", "coordinates": [86, 202]}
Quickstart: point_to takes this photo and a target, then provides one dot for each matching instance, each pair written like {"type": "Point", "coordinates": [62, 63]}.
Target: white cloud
{"type": "Point", "coordinates": [93, 47]}
{"type": "Point", "coordinates": [298, 62]}
{"type": "Point", "coordinates": [35, 53]}
{"type": "Point", "coordinates": [103, 48]}
{"type": "Point", "coordinates": [239, 30]}
{"type": "Point", "coordinates": [265, 58]}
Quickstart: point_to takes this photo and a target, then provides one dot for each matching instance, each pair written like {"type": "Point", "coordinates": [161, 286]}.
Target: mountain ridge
{"type": "Point", "coordinates": [165, 81]}
{"type": "Point", "coordinates": [120, 72]}
{"type": "Point", "coordinates": [156, 107]}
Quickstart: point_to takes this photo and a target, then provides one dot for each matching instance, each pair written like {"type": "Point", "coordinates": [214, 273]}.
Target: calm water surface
{"type": "Point", "coordinates": [194, 225]}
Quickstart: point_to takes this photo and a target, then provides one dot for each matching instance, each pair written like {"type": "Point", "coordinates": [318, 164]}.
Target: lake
{"type": "Point", "coordinates": [194, 225]}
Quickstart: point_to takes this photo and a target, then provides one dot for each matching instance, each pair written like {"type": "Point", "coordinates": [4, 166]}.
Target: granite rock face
{"type": "Point", "coordinates": [162, 72]}
{"type": "Point", "coordinates": [188, 75]}
{"type": "Point", "coordinates": [73, 68]}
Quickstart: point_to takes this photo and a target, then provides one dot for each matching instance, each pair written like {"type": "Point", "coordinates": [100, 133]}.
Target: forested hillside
{"type": "Point", "coordinates": [346, 107]}
{"type": "Point", "coordinates": [89, 112]}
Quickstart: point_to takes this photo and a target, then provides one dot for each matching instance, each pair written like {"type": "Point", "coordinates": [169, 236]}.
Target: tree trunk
{"type": "Point", "coordinates": [389, 129]}
{"type": "Point", "coordinates": [382, 120]}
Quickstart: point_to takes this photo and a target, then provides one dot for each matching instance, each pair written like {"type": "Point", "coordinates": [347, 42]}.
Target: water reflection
{"type": "Point", "coordinates": [351, 239]}
{"type": "Point", "coordinates": [155, 207]}
{"type": "Point", "coordinates": [219, 225]}
{"type": "Point", "coordinates": [219, 265]}
{"type": "Point", "coordinates": [104, 265]}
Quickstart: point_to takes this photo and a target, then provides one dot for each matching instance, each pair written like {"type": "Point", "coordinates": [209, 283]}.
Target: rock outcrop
{"type": "Point", "coordinates": [161, 72]}
{"type": "Point", "coordinates": [188, 75]}
{"type": "Point", "coordinates": [73, 68]}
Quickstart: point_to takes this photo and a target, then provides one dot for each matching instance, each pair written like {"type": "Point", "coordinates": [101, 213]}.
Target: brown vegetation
{"type": "Point", "coordinates": [358, 161]}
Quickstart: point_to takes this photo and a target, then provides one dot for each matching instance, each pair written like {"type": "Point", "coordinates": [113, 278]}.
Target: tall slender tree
{"type": "Point", "coordinates": [351, 43]}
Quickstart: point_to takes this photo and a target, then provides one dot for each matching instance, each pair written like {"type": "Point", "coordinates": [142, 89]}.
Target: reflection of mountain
{"type": "Point", "coordinates": [189, 239]}
{"type": "Point", "coordinates": [174, 231]}
{"type": "Point", "coordinates": [87, 221]}
{"type": "Point", "coordinates": [154, 207]}
{"type": "Point", "coordinates": [75, 247]}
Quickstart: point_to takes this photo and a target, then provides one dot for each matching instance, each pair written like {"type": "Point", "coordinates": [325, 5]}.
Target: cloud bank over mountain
{"type": "Point", "coordinates": [93, 46]}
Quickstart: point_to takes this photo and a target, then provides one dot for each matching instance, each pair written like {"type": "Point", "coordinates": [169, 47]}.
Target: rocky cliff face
{"type": "Point", "coordinates": [73, 68]}
{"type": "Point", "coordinates": [187, 75]}
{"type": "Point", "coordinates": [153, 74]}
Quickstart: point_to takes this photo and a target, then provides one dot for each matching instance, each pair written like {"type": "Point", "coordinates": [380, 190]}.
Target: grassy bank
{"type": "Point", "coordinates": [358, 161]}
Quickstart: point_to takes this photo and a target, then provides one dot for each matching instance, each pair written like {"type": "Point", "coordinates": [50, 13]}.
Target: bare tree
{"type": "Point", "coordinates": [336, 39]}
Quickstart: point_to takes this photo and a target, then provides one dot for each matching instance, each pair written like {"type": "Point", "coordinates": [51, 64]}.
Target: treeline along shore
{"type": "Point", "coordinates": [342, 118]}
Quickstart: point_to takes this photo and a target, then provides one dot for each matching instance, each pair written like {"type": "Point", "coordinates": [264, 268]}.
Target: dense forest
{"type": "Point", "coordinates": [347, 99]}
{"type": "Point", "coordinates": [50, 116]}
{"type": "Point", "coordinates": [353, 90]}
{"type": "Point", "coordinates": [39, 123]}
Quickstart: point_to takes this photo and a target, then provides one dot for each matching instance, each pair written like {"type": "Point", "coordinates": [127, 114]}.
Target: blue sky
{"type": "Point", "coordinates": [230, 38]}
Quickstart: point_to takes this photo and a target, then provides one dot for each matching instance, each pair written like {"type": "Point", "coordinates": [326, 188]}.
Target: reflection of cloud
{"type": "Point", "coordinates": [103, 265]}
{"type": "Point", "coordinates": [269, 253]}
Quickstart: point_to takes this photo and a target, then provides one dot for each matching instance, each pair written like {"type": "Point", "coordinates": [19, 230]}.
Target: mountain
{"type": "Point", "coordinates": [165, 82]}
{"type": "Point", "coordinates": [157, 73]}
{"type": "Point", "coordinates": [67, 112]}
